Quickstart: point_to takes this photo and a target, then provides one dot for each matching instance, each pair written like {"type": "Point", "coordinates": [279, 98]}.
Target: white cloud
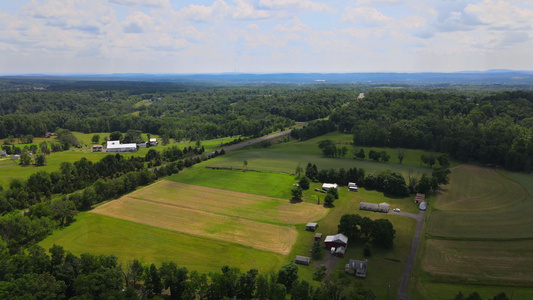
{"type": "Point", "coordinates": [142, 3]}
{"type": "Point", "coordinates": [365, 15]}
{"type": "Point", "coordinates": [296, 4]}
{"type": "Point", "coordinates": [502, 15]}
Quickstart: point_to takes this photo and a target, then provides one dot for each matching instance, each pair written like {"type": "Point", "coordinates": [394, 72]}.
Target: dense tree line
{"type": "Point", "coordinates": [389, 182]}
{"type": "Point", "coordinates": [494, 128]}
{"type": "Point", "coordinates": [313, 129]}
{"type": "Point", "coordinates": [379, 232]}
{"type": "Point", "coordinates": [34, 274]}
{"type": "Point", "coordinates": [188, 112]}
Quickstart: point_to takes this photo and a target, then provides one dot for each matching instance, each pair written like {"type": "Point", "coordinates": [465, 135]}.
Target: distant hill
{"type": "Point", "coordinates": [466, 77]}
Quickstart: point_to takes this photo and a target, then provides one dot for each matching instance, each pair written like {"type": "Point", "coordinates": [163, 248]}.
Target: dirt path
{"type": "Point", "coordinates": [402, 292]}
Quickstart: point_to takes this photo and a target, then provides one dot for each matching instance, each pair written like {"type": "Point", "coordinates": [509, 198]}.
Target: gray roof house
{"type": "Point", "coordinates": [357, 267]}
{"type": "Point", "coordinates": [302, 260]}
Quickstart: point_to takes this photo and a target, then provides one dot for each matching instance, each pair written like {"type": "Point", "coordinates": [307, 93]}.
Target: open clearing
{"type": "Point", "coordinates": [98, 234]}
{"type": "Point", "coordinates": [240, 218]}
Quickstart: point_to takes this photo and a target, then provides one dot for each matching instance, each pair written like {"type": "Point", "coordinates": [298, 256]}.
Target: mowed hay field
{"type": "Point", "coordinates": [479, 234]}
{"type": "Point", "coordinates": [465, 211]}
{"type": "Point", "coordinates": [246, 219]}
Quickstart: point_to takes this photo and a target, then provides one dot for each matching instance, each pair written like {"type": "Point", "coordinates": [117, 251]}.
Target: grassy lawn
{"type": "Point", "coordinates": [127, 240]}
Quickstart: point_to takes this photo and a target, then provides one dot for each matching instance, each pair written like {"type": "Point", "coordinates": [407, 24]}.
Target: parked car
{"type": "Point", "coordinates": [396, 210]}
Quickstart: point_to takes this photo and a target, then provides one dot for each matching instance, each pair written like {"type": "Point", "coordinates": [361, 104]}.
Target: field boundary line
{"type": "Point", "coordinates": [437, 237]}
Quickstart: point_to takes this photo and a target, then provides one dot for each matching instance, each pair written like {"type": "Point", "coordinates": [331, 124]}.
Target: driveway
{"type": "Point", "coordinates": [402, 292]}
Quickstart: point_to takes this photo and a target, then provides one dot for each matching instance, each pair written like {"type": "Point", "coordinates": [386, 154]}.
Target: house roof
{"type": "Point", "coordinates": [311, 224]}
{"type": "Point", "coordinates": [117, 144]}
{"type": "Point", "coordinates": [302, 258]}
{"type": "Point", "coordinates": [330, 185]}
{"type": "Point", "coordinates": [338, 238]}
{"type": "Point", "coordinates": [359, 265]}
{"type": "Point", "coordinates": [153, 140]}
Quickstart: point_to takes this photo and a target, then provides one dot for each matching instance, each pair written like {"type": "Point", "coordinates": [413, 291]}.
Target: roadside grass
{"type": "Point", "coordinates": [98, 234]}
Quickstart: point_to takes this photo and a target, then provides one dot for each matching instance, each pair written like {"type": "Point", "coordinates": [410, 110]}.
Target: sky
{"type": "Point", "coordinates": [264, 36]}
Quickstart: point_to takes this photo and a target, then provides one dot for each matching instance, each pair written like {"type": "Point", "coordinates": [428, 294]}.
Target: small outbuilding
{"type": "Point", "coordinates": [327, 186]}
{"type": "Point", "coordinates": [381, 207]}
{"type": "Point", "coordinates": [3, 153]}
{"type": "Point", "coordinates": [357, 267]}
{"type": "Point", "coordinates": [15, 156]}
{"type": "Point", "coordinates": [311, 226]}
{"type": "Point", "coordinates": [302, 260]}
{"type": "Point", "coordinates": [338, 240]}
{"type": "Point", "coordinates": [318, 237]}
{"type": "Point", "coordinates": [339, 251]}
{"type": "Point", "coordinates": [352, 186]}
{"type": "Point", "coordinates": [153, 142]}
{"type": "Point", "coordinates": [98, 148]}
{"type": "Point", "coordinates": [420, 198]}
{"type": "Point", "coordinates": [423, 206]}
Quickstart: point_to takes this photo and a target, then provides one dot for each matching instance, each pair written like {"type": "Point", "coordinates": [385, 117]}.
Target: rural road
{"type": "Point", "coordinates": [402, 292]}
{"type": "Point", "coordinates": [257, 140]}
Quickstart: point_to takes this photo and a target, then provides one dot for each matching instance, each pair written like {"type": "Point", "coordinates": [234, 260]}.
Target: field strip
{"type": "Point", "coordinates": [230, 203]}
{"type": "Point", "coordinates": [481, 262]}
{"type": "Point", "coordinates": [263, 236]}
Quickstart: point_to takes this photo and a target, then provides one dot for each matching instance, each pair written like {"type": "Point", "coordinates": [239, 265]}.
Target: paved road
{"type": "Point", "coordinates": [402, 292]}
{"type": "Point", "coordinates": [255, 141]}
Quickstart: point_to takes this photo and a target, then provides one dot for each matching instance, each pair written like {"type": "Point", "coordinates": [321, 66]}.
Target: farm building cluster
{"type": "Point", "coordinates": [117, 146]}
{"type": "Point", "coordinates": [420, 200]}
{"type": "Point", "coordinates": [336, 246]}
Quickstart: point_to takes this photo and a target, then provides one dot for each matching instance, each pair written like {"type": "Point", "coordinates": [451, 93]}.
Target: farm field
{"type": "Point", "coordinates": [484, 239]}
{"type": "Point", "coordinates": [285, 157]}
{"type": "Point", "coordinates": [128, 240]}
{"type": "Point", "coordinates": [216, 214]}
{"type": "Point", "coordinates": [493, 221]}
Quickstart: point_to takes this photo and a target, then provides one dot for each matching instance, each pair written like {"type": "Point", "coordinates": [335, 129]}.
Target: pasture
{"type": "Point", "coordinates": [128, 240]}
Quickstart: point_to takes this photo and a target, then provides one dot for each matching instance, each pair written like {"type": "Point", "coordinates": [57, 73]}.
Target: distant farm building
{"type": "Point", "coordinates": [302, 260]}
{"type": "Point", "coordinates": [311, 226]}
{"type": "Point", "coordinates": [153, 142]}
{"type": "Point", "coordinates": [357, 267]}
{"type": "Point", "coordinates": [141, 145]}
{"type": "Point", "coordinates": [3, 153]}
{"type": "Point", "coordinates": [334, 241]}
{"type": "Point", "coordinates": [98, 148]}
{"type": "Point", "coordinates": [352, 186]}
{"type": "Point", "coordinates": [361, 95]}
{"type": "Point", "coordinates": [382, 207]}
{"type": "Point", "coordinates": [15, 156]}
{"type": "Point", "coordinates": [327, 186]}
{"type": "Point", "coordinates": [49, 134]}
{"type": "Point", "coordinates": [318, 237]}
{"type": "Point", "coordinates": [423, 206]}
{"type": "Point", "coordinates": [116, 146]}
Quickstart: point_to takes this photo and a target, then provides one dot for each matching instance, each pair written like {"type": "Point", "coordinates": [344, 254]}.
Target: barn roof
{"type": "Point", "coordinates": [117, 145]}
{"type": "Point", "coordinates": [338, 238]}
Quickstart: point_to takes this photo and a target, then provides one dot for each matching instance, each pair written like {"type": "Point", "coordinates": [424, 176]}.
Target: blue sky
{"type": "Point", "coordinates": [264, 36]}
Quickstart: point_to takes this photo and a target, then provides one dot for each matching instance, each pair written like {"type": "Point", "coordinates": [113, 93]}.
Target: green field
{"type": "Point", "coordinates": [285, 157]}
{"type": "Point", "coordinates": [479, 237]}
{"type": "Point", "coordinates": [127, 240]}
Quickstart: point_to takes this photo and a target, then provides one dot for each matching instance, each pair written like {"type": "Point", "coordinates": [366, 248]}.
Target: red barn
{"type": "Point", "coordinates": [338, 240]}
